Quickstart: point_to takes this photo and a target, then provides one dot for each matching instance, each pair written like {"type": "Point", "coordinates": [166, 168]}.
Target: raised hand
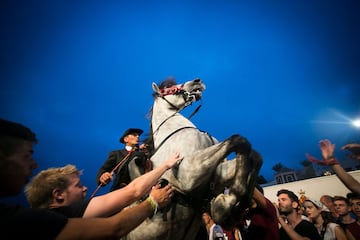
{"type": "Point", "coordinates": [327, 149]}
{"type": "Point", "coordinates": [174, 160]}
{"type": "Point", "coordinates": [354, 149]}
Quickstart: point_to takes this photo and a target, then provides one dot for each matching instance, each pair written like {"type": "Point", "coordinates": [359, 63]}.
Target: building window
{"type": "Point", "coordinates": [289, 178]}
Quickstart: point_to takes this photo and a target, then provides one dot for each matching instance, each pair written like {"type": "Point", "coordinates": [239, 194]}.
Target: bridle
{"type": "Point", "coordinates": [188, 97]}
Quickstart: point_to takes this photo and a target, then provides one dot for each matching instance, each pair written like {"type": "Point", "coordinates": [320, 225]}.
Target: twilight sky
{"type": "Point", "coordinates": [284, 74]}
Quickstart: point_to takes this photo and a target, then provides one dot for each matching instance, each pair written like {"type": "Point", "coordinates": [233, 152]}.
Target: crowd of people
{"type": "Point", "coordinates": [291, 218]}
{"type": "Point", "coordinates": [326, 218]}
{"type": "Point", "coordinates": [60, 208]}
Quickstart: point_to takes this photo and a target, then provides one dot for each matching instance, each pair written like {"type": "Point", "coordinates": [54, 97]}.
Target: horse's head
{"type": "Point", "coordinates": [180, 95]}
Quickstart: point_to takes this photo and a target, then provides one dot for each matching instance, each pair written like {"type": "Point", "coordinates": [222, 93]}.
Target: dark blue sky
{"type": "Point", "coordinates": [284, 74]}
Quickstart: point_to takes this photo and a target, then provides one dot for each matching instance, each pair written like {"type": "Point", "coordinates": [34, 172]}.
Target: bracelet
{"type": "Point", "coordinates": [153, 203]}
{"type": "Point", "coordinates": [331, 161]}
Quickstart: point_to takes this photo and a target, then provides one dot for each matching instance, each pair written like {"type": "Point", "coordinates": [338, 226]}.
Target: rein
{"type": "Point", "coordinates": [163, 141]}
{"type": "Point", "coordinates": [157, 129]}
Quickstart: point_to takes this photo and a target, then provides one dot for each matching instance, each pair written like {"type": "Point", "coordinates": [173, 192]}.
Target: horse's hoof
{"type": "Point", "coordinates": [240, 145]}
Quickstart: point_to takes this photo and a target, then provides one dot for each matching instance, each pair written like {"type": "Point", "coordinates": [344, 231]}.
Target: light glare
{"type": "Point", "coordinates": [356, 123]}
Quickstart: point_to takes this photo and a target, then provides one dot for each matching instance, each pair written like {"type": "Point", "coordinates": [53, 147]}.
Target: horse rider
{"type": "Point", "coordinates": [118, 160]}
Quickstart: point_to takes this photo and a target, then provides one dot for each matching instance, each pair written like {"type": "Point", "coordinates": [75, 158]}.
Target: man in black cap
{"type": "Point", "coordinates": [118, 160]}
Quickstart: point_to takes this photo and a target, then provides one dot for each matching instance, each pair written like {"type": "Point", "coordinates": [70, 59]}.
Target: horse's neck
{"type": "Point", "coordinates": [165, 121]}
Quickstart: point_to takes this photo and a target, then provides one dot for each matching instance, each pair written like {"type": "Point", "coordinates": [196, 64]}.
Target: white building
{"type": "Point", "coordinates": [313, 187]}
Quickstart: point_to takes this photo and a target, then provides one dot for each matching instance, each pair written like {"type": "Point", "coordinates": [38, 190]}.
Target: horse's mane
{"type": "Point", "coordinates": [149, 140]}
{"type": "Point", "coordinates": [168, 82]}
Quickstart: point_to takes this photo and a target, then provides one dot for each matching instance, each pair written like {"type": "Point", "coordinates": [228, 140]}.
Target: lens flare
{"type": "Point", "coordinates": [356, 123]}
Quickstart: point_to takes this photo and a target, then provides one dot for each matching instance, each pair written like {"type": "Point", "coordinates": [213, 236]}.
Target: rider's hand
{"type": "Point", "coordinates": [105, 178]}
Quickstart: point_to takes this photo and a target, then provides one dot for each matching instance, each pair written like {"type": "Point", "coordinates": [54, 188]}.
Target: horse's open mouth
{"type": "Point", "coordinates": [197, 93]}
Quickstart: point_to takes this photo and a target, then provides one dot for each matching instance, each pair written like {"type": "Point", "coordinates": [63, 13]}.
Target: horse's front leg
{"type": "Point", "coordinates": [227, 207]}
{"type": "Point", "coordinates": [199, 167]}
{"type": "Point", "coordinates": [224, 175]}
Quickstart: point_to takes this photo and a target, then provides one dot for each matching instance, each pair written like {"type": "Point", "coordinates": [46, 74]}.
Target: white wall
{"type": "Point", "coordinates": [314, 187]}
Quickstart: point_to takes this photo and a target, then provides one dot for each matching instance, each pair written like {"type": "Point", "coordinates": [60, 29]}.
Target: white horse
{"type": "Point", "coordinates": [204, 172]}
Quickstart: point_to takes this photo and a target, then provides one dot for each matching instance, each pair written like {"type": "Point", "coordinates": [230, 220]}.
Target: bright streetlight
{"type": "Point", "coordinates": [356, 123]}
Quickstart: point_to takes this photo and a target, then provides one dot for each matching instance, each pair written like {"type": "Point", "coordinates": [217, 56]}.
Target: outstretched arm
{"type": "Point", "coordinates": [107, 204]}
{"type": "Point", "coordinates": [327, 150]}
{"type": "Point", "coordinates": [259, 198]}
{"type": "Point", "coordinates": [119, 224]}
{"type": "Point", "coordinates": [349, 181]}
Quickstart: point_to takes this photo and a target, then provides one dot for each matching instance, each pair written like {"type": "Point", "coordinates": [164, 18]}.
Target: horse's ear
{"type": "Point", "coordinates": [155, 88]}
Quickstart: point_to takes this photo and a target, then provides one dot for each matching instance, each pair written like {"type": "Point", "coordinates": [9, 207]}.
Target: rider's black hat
{"type": "Point", "coordinates": [130, 131]}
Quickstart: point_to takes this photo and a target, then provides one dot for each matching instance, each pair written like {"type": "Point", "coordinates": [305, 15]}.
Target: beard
{"type": "Point", "coordinates": [285, 210]}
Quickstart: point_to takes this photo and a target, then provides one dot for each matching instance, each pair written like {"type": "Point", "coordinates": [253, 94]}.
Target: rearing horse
{"type": "Point", "coordinates": [204, 172]}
